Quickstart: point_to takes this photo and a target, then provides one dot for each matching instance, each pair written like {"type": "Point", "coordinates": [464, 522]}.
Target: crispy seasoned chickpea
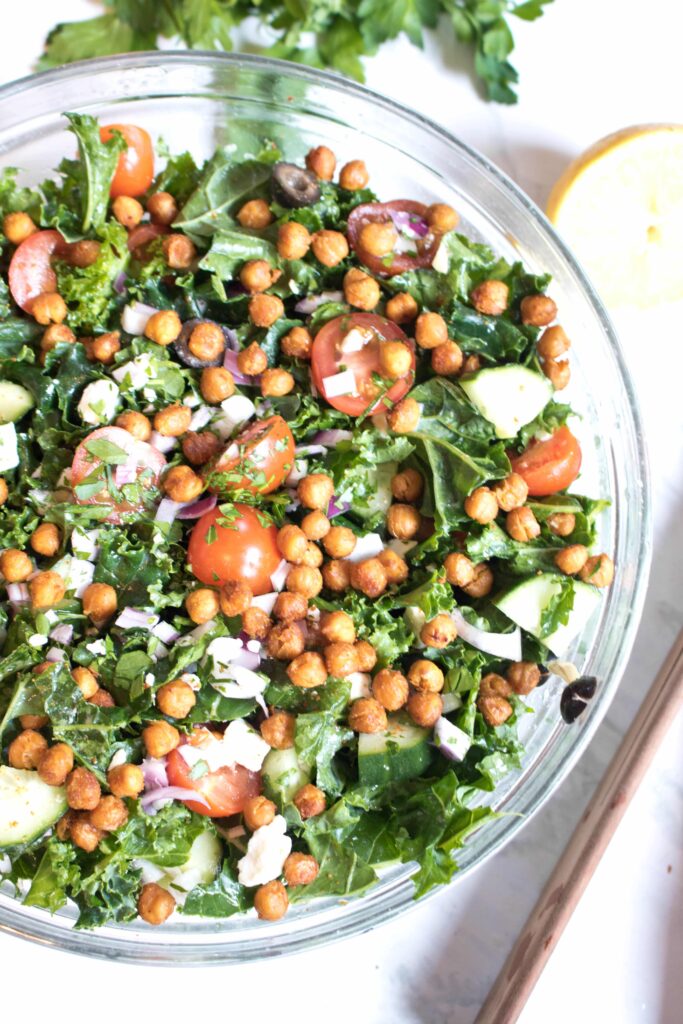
{"type": "Point", "coordinates": [522, 524]}
{"type": "Point", "coordinates": [290, 607]}
{"type": "Point", "coordinates": [271, 901]}
{"type": "Point", "coordinates": [395, 567]}
{"type": "Point", "coordinates": [322, 162]}
{"type": "Point", "coordinates": [82, 790]}
{"type": "Point", "coordinates": [160, 738]}
{"type": "Point", "coordinates": [4, 492]}
{"type": "Point", "coordinates": [26, 750]}
{"type": "Point", "coordinates": [216, 384]}
{"type": "Point", "coordinates": [128, 211]}
{"type": "Point", "coordinates": [173, 421]}
{"type": "Point", "coordinates": [490, 297]}
{"type": "Point", "coordinates": [395, 359]}
{"type": "Point", "coordinates": [278, 730]}
{"type": "Point", "coordinates": [471, 364]}
{"type": "Point", "coordinates": [136, 424]}
{"type": "Point", "coordinates": [198, 449]}
{"type": "Point", "coordinates": [257, 276]}
{"type": "Point", "coordinates": [300, 869]}
{"type": "Point", "coordinates": [572, 559]}
{"type": "Point", "coordinates": [45, 540]}
{"type": "Point", "coordinates": [35, 721]}
{"type": "Point", "coordinates": [459, 569]}
{"type": "Point", "coordinates": [85, 680]}
{"type": "Point", "coordinates": [511, 493]}
{"type": "Point", "coordinates": [315, 525]}
{"type": "Point", "coordinates": [256, 623]}
{"type": "Point", "coordinates": [162, 208]}
{"type": "Point", "coordinates": [442, 218]}
{"type": "Point", "coordinates": [255, 214]}
{"type": "Point", "coordinates": [315, 491]}
{"type": "Point", "coordinates": [598, 570]}
{"type": "Point", "coordinates": [426, 676]}
{"type": "Point", "coordinates": [102, 699]}
{"type": "Point", "coordinates": [561, 523]}
{"type": "Point", "coordinates": [523, 676]}
{"type": "Point", "coordinates": [15, 565]}
{"type": "Point", "coordinates": [339, 542]}
{"type": "Point", "coordinates": [338, 627]}
{"type": "Point", "coordinates": [309, 801]}
{"type": "Point", "coordinates": [403, 521]}
{"type": "Point", "coordinates": [252, 360]}
{"type": "Point", "coordinates": [390, 688]}
{"type": "Point", "coordinates": [235, 597]}
{"type": "Point", "coordinates": [425, 708]}
{"type": "Point", "coordinates": [404, 417]}
{"type": "Point", "coordinates": [558, 372]}
{"type": "Point", "coordinates": [366, 654]}
{"type": "Point", "coordinates": [553, 343]}
{"type": "Point", "coordinates": [305, 580]}
{"type": "Point", "coordinates": [341, 659]}
{"type": "Point", "coordinates": [407, 486]}
{"type": "Point", "coordinates": [439, 631]}
{"type": "Point", "coordinates": [257, 812]}
{"type": "Point", "coordinates": [367, 715]}
{"type": "Point", "coordinates": [155, 905]}
{"type": "Point", "coordinates": [176, 699]}
{"type": "Point", "coordinates": [103, 348]}
{"type": "Point", "coordinates": [354, 175]}
{"type": "Point", "coordinates": [63, 826]}
{"type": "Point", "coordinates": [447, 359]}
{"type": "Point", "coordinates": [494, 685]}
{"type": "Point", "coordinates": [293, 240]}
{"type": "Point", "coordinates": [99, 601]}
{"type": "Point", "coordinates": [337, 575]}
{"type": "Point", "coordinates": [83, 834]}
{"type": "Point", "coordinates": [401, 308]}
{"type": "Point", "coordinates": [481, 505]}
{"type": "Point", "coordinates": [297, 343]}
{"type": "Point", "coordinates": [291, 543]}
{"type": "Point", "coordinates": [182, 484]}
{"type": "Point", "coordinates": [126, 780]}
{"type": "Point", "coordinates": [361, 290]}
{"type": "Point", "coordinates": [276, 382]}
{"type": "Point", "coordinates": [482, 584]}
{"type": "Point", "coordinates": [285, 642]}
{"type": "Point", "coordinates": [329, 247]}
{"type": "Point", "coordinates": [495, 710]}
{"type": "Point", "coordinates": [264, 310]}
{"type": "Point", "coordinates": [307, 670]}
{"type": "Point", "coordinates": [17, 227]}
{"type": "Point", "coordinates": [46, 590]}
{"type": "Point", "coordinates": [202, 605]}
{"type": "Point", "coordinates": [378, 237]}
{"type": "Point", "coordinates": [206, 342]}
{"type": "Point", "coordinates": [369, 577]}
{"type": "Point", "coordinates": [49, 308]}
{"type": "Point", "coordinates": [178, 251]}
{"type": "Point", "coordinates": [163, 327]}
{"type": "Point", "coordinates": [430, 330]}
{"type": "Point", "coordinates": [537, 310]}
{"type": "Point", "coordinates": [55, 764]}
{"type": "Point", "coordinates": [83, 254]}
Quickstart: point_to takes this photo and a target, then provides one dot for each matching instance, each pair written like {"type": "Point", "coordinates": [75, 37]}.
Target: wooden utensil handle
{"type": "Point", "coordinates": [582, 854]}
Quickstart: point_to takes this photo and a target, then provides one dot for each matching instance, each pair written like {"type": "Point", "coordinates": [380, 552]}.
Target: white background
{"type": "Point", "coordinates": [590, 67]}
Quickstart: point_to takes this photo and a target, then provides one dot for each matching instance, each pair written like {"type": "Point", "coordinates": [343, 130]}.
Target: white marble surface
{"type": "Point", "coordinates": [589, 68]}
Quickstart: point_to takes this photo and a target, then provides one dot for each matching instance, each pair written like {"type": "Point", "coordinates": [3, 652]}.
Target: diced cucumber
{"type": "Point", "coordinates": [526, 602]}
{"type": "Point", "coordinates": [15, 401]}
{"type": "Point", "coordinates": [202, 866]}
{"type": "Point", "coordinates": [402, 752]}
{"type": "Point", "coordinates": [283, 775]}
{"type": "Point", "coordinates": [509, 397]}
{"type": "Point", "coordinates": [28, 806]}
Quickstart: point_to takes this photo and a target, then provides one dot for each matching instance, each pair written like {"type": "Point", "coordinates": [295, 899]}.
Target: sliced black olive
{"type": "Point", "coordinates": [292, 186]}
{"type": "Point", "coordinates": [575, 697]}
{"type": "Point", "coordinates": [181, 346]}
{"type": "Point", "coordinates": [585, 687]}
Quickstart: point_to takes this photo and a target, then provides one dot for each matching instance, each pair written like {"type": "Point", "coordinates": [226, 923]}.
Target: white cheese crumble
{"type": "Point", "coordinates": [135, 374]}
{"type": "Point", "coordinates": [440, 261]}
{"type": "Point", "coordinates": [401, 547]}
{"type": "Point", "coordinates": [355, 340]}
{"type": "Point", "coordinates": [368, 546]}
{"type": "Point", "coordinates": [235, 410]}
{"type": "Point", "coordinates": [76, 573]}
{"type": "Point", "coordinates": [84, 545]}
{"type": "Point", "coordinates": [456, 740]}
{"type": "Point", "coordinates": [98, 402]}
{"type": "Point", "coordinates": [240, 744]}
{"type": "Point", "coordinates": [343, 383]}
{"type": "Point", "coordinates": [37, 640]}
{"type": "Point", "coordinates": [120, 757]}
{"type": "Point", "coordinates": [267, 850]}
{"type": "Point", "coordinates": [360, 685]}
{"type": "Point", "coordinates": [97, 648]}
{"type": "Point", "coordinates": [9, 455]}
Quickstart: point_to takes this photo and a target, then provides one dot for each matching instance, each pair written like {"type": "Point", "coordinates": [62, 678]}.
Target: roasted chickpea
{"type": "Point", "coordinates": [55, 764]}
{"type": "Point", "coordinates": [173, 421]}
{"type": "Point", "coordinates": [307, 670]}
{"type": "Point", "coordinates": [305, 580]}
{"type": "Point", "coordinates": [395, 567]}
{"type": "Point", "coordinates": [598, 570]}
{"type": "Point", "coordinates": [439, 631]}
{"type": "Point", "coordinates": [482, 584]}
{"type": "Point", "coordinates": [63, 826]}
{"type": "Point", "coordinates": [315, 491]}
{"type": "Point", "coordinates": [490, 297]}
{"type": "Point", "coordinates": [558, 372]}
{"type": "Point", "coordinates": [459, 569]}
{"type": "Point", "coordinates": [46, 589]}
{"type": "Point", "coordinates": [447, 359]}
{"type": "Point", "coordinates": [35, 721]}
{"type": "Point", "coordinates": [257, 276]}
{"type": "Point", "coordinates": [339, 542]}
{"type": "Point", "coordinates": [257, 812]}
{"type": "Point", "coordinates": [553, 343]}
{"type": "Point", "coordinates": [309, 801]}
{"type": "Point", "coordinates": [27, 750]}
{"type": "Point", "coordinates": [354, 175]}
{"type": "Point", "coordinates": [176, 699]}
{"type": "Point", "coordinates": [426, 676]}
{"type": "Point", "coordinates": [276, 382]}
{"type": "Point", "coordinates": [522, 524]}
{"type": "Point", "coordinates": [271, 901]}
{"type": "Point", "coordinates": [390, 688]}
{"type": "Point", "coordinates": [561, 523]}
{"type": "Point", "coordinates": [290, 607]}
{"type": "Point", "coordinates": [128, 211]}
{"type": "Point", "coordinates": [291, 542]}
{"type": "Point", "coordinates": [341, 659]}
{"type": "Point", "coordinates": [83, 254]}
{"type": "Point", "coordinates": [235, 598]}
{"type": "Point", "coordinates": [4, 492]}
{"type": "Point", "coordinates": [369, 577]}
{"type": "Point", "coordinates": [126, 780]}
{"type": "Point", "coordinates": [15, 566]}
{"type": "Point", "coordinates": [495, 710]}
{"type": "Point", "coordinates": [162, 208]}
{"type": "Point", "coordinates": [99, 602]}
{"type": "Point", "coordinates": [136, 424]}
{"type": "Point", "coordinates": [338, 627]}
{"type": "Point", "coordinates": [442, 218]}
{"type": "Point", "coordinates": [206, 342]}
{"type": "Point", "coordinates": [17, 227]}
{"type": "Point", "coordinates": [255, 214]}
{"type": "Point", "coordinates": [256, 623]}
{"type": "Point", "coordinates": [403, 521]}
{"type": "Point", "coordinates": [55, 334]}
{"type": "Point", "coordinates": [471, 364]}
{"type": "Point", "coordinates": [367, 715]}
{"type": "Point", "coordinates": [407, 486]}
{"type": "Point", "coordinates": [378, 237]}
{"type": "Point", "coordinates": [216, 384]}
{"type": "Point", "coordinates": [182, 484]}
{"type": "Point", "coordinates": [202, 605]}
{"type": "Point", "coordinates": [361, 290]}
{"type": "Point", "coordinates": [430, 330]}
{"type": "Point", "coordinates": [82, 790]}
{"type": "Point", "coordinates": [199, 449]}
{"type": "Point", "coordinates": [102, 699]}
{"type": "Point", "coordinates": [82, 834]}
{"type": "Point", "coordinates": [329, 247]}
{"type": "Point", "coordinates": [300, 869]}
{"type": "Point", "coordinates": [103, 348]}
{"type": "Point", "coordinates": [511, 493]}
{"type": "Point", "coordinates": [160, 738]}
{"type": "Point", "coordinates": [264, 310]}
{"type": "Point", "coordinates": [481, 505]}
{"type": "Point", "coordinates": [572, 559]}
{"type": "Point", "coordinates": [315, 525]}
{"type": "Point", "coordinates": [45, 540]}
{"type": "Point", "coordinates": [425, 708]}
{"type": "Point", "coordinates": [278, 730]}
{"type": "Point", "coordinates": [293, 240]}
{"type": "Point", "coordinates": [49, 308]}
{"type": "Point", "coordinates": [494, 685]}
{"type": "Point", "coordinates": [86, 681]}
{"type": "Point", "coordinates": [537, 310]}
{"type": "Point", "coordinates": [401, 308]}
{"type": "Point", "coordinates": [297, 343]}
{"type": "Point", "coordinates": [395, 359]}
{"type": "Point", "coordinates": [366, 654]}
{"type": "Point", "coordinates": [178, 251]}
{"type": "Point", "coordinates": [155, 905]}
{"type": "Point", "coordinates": [404, 417]}
{"type": "Point", "coordinates": [285, 642]}
{"type": "Point", "coordinates": [337, 575]}
{"type": "Point", "coordinates": [252, 360]}
{"type": "Point", "coordinates": [163, 327]}
{"type": "Point", "coordinates": [322, 162]}
{"type": "Point", "coordinates": [523, 676]}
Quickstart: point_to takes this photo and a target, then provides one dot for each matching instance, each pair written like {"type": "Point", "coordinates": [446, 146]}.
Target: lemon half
{"type": "Point", "coordinates": [620, 207]}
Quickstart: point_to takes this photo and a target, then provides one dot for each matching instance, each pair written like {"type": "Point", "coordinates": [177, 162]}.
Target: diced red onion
{"type": "Point", "coordinates": [133, 618]}
{"type": "Point", "coordinates": [162, 443]}
{"type": "Point", "coordinates": [499, 645]}
{"type": "Point", "coordinates": [241, 379]}
{"type": "Point", "coordinates": [279, 577]}
{"type": "Point", "coordinates": [311, 302]}
{"type": "Point", "coordinates": [409, 224]}
{"type": "Point", "coordinates": [231, 339]}
{"type": "Point", "coordinates": [310, 449]}
{"type": "Point", "coordinates": [266, 602]}
{"type": "Point", "coordinates": [451, 741]}
{"type": "Point", "coordinates": [17, 593]}
{"type": "Point", "coordinates": [197, 508]}
{"type": "Point", "coordinates": [159, 796]}
{"type": "Point", "coordinates": [120, 283]}
{"type": "Point", "coordinates": [332, 437]}
{"type": "Point", "coordinates": [201, 417]}
{"type": "Point", "coordinates": [261, 701]}
{"type": "Point", "coordinates": [154, 772]}
{"type": "Point", "coordinates": [125, 474]}
{"type": "Point", "coordinates": [246, 659]}
{"type": "Point", "coordinates": [168, 510]}
{"type": "Point", "coordinates": [54, 654]}
{"type": "Point", "coordinates": [165, 632]}
{"type": "Point", "coordinates": [62, 634]}
{"type": "Point", "coordinates": [298, 471]}
{"type": "Point", "coordinates": [135, 316]}
{"type": "Point", "coordinates": [337, 508]}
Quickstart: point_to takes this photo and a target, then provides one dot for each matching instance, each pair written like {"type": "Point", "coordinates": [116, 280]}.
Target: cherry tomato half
{"type": "Point", "coordinates": [258, 460]}
{"type": "Point", "coordinates": [419, 251]}
{"type": "Point", "coordinates": [549, 466]}
{"type": "Point", "coordinates": [328, 358]}
{"type": "Point", "coordinates": [88, 469]}
{"type": "Point", "coordinates": [135, 169]}
{"type": "Point", "coordinates": [238, 550]}
{"type": "Point", "coordinates": [30, 269]}
{"type": "Point", "coordinates": [140, 237]}
{"type": "Point", "coordinates": [226, 790]}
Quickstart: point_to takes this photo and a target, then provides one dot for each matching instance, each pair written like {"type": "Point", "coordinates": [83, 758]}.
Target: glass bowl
{"type": "Point", "coordinates": [196, 101]}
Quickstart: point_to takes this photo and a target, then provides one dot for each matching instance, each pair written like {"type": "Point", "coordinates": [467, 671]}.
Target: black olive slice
{"type": "Point", "coordinates": [574, 697]}
{"type": "Point", "coordinates": [585, 687]}
{"type": "Point", "coordinates": [292, 186]}
{"type": "Point", "coordinates": [181, 346]}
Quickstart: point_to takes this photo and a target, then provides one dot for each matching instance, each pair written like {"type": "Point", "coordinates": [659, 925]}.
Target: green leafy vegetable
{"type": "Point", "coordinates": [98, 162]}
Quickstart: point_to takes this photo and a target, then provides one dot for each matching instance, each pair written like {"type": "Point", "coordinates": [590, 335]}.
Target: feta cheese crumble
{"type": "Point", "coordinates": [267, 850]}
{"type": "Point", "coordinates": [9, 455]}
{"type": "Point", "coordinates": [98, 402]}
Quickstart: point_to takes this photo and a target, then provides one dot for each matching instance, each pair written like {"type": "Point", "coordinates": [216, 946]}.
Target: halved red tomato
{"type": "Point", "coordinates": [226, 790]}
{"type": "Point", "coordinates": [140, 237]}
{"type": "Point", "coordinates": [111, 458]}
{"type": "Point", "coordinates": [328, 358]}
{"type": "Point", "coordinates": [549, 466]}
{"type": "Point", "coordinates": [258, 460]}
{"type": "Point", "coordinates": [419, 245]}
{"type": "Point", "coordinates": [135, 170]}
{"type": "Point", "coordinates": [234, 549]}
{"type": "Point", "coordinates": [30, 269]}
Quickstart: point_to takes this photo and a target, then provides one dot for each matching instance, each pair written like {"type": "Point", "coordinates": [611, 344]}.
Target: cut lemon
{"type": "Point", "coordinates": [620, 207]}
